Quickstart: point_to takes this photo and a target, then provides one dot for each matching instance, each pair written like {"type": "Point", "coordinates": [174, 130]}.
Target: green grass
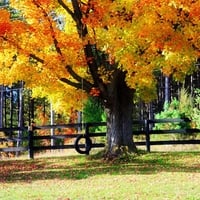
{"type": "Point", "coordinates": [153, 176]}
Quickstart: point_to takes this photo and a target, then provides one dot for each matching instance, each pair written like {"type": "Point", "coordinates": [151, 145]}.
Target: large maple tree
{"type": "Point", "coordinates": [110, 49]}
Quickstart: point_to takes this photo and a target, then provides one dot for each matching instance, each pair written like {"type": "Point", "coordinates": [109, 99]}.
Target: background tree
{"type": "Point", "coordinates": [108, 49]}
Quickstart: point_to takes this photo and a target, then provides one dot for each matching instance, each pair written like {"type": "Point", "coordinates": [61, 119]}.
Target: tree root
{"type": "Point", "coordinates": [119, 153]}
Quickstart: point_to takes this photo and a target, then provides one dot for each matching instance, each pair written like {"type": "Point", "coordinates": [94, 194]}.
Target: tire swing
{"type": "Point", "coordinates": [83, 148]}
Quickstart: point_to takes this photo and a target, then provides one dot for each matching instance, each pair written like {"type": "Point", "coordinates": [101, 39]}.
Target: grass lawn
{"type": "Point", "coordinates": [152, 176]}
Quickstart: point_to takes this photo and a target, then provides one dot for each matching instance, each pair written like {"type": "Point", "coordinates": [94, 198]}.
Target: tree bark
{"type": "Point", "coordinates": [119, 118]}
{"type": "Point", "coordinates": [116, 96]}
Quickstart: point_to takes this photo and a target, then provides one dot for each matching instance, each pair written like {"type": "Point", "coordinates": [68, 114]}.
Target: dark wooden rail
{"type": "Point", "coordinates": [145, 129]}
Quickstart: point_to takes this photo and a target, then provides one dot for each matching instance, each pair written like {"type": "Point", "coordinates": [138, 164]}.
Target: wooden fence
{"type": "Point", "coordinates": [83, 139]}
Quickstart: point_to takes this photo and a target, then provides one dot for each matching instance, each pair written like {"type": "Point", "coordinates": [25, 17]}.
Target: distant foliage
{"type": "Point", "coordinates": [93, 112]}
{"type": "Point", "coordinates": [171, 111]}
{"type": "Point", "coordinates": [196, 109]}
{"type": "Point", "coordinates": [182, 108]}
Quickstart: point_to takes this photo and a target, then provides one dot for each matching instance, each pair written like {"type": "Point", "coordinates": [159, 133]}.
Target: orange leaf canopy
{"type": "Point", "coordinates": [137, 36]}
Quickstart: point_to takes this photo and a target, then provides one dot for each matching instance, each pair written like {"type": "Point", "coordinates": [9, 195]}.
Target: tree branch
{"type": "Point", "coordinates": [76, 16]}
{"type": "Point", "coordinates": [79, 85]}
{"type": "Point", "coordinates": [67, 9]}
{"type": "Point", "coordinates": [55, 41]}
{"type": "Point", "coordinates": [81, 28]}
{"type": "Point", "coordinates": [36, 58]}
{"type": "Point", "coordinates": [86, 83]}
{"type": "Point", "coordinates": [89, 49]}
{"type": "Point", "coordinates": [73, 84]}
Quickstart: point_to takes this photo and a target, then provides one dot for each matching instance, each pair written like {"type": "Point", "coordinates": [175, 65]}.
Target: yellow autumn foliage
{"type": "Point", "coordinates": [139, 36]}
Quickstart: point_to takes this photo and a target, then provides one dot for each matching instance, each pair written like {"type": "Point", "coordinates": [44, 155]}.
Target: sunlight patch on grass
{"type": "Point", "coordinates": [154, 176]}
{"type": "Point", "coordinates": [163, 185]}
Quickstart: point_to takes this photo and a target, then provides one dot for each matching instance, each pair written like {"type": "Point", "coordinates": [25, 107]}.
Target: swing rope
{"type": "Point", "coordinates": [82, 115]}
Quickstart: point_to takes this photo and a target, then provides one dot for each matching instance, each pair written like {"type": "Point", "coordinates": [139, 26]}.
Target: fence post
{"type": "Point", "coordinates": [87, 128]}
{"type": "Point", "coordinates": [146, 121]}
{"type": "Point", "coordinates": [30, 142]}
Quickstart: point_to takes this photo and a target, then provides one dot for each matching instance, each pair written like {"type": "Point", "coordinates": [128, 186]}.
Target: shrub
{"type": "Point", "coordinates": [179, 108]}
{"type": "Point", "coordinates": [196, 109]}
{"type": "Point", "coordinates": [93, 112]}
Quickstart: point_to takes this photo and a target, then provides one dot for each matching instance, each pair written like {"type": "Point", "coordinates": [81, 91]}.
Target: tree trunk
{"type": "Point", "coordinates": [119, 118]}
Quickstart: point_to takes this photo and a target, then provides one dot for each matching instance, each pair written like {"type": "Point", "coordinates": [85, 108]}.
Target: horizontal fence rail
{"type": "Point", "coordinates": [84, 138]}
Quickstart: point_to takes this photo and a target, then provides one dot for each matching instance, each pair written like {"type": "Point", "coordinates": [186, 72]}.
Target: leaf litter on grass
{"type": "Point", "coordinates": [148, 175]}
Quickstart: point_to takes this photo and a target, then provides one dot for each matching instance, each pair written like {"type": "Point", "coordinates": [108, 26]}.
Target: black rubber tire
{"type": "Point", "coordinates": [88, 144]}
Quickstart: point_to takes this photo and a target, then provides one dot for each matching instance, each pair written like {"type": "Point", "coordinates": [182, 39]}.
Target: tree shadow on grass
{"type": "Point", "coordinates": [82, 167]}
